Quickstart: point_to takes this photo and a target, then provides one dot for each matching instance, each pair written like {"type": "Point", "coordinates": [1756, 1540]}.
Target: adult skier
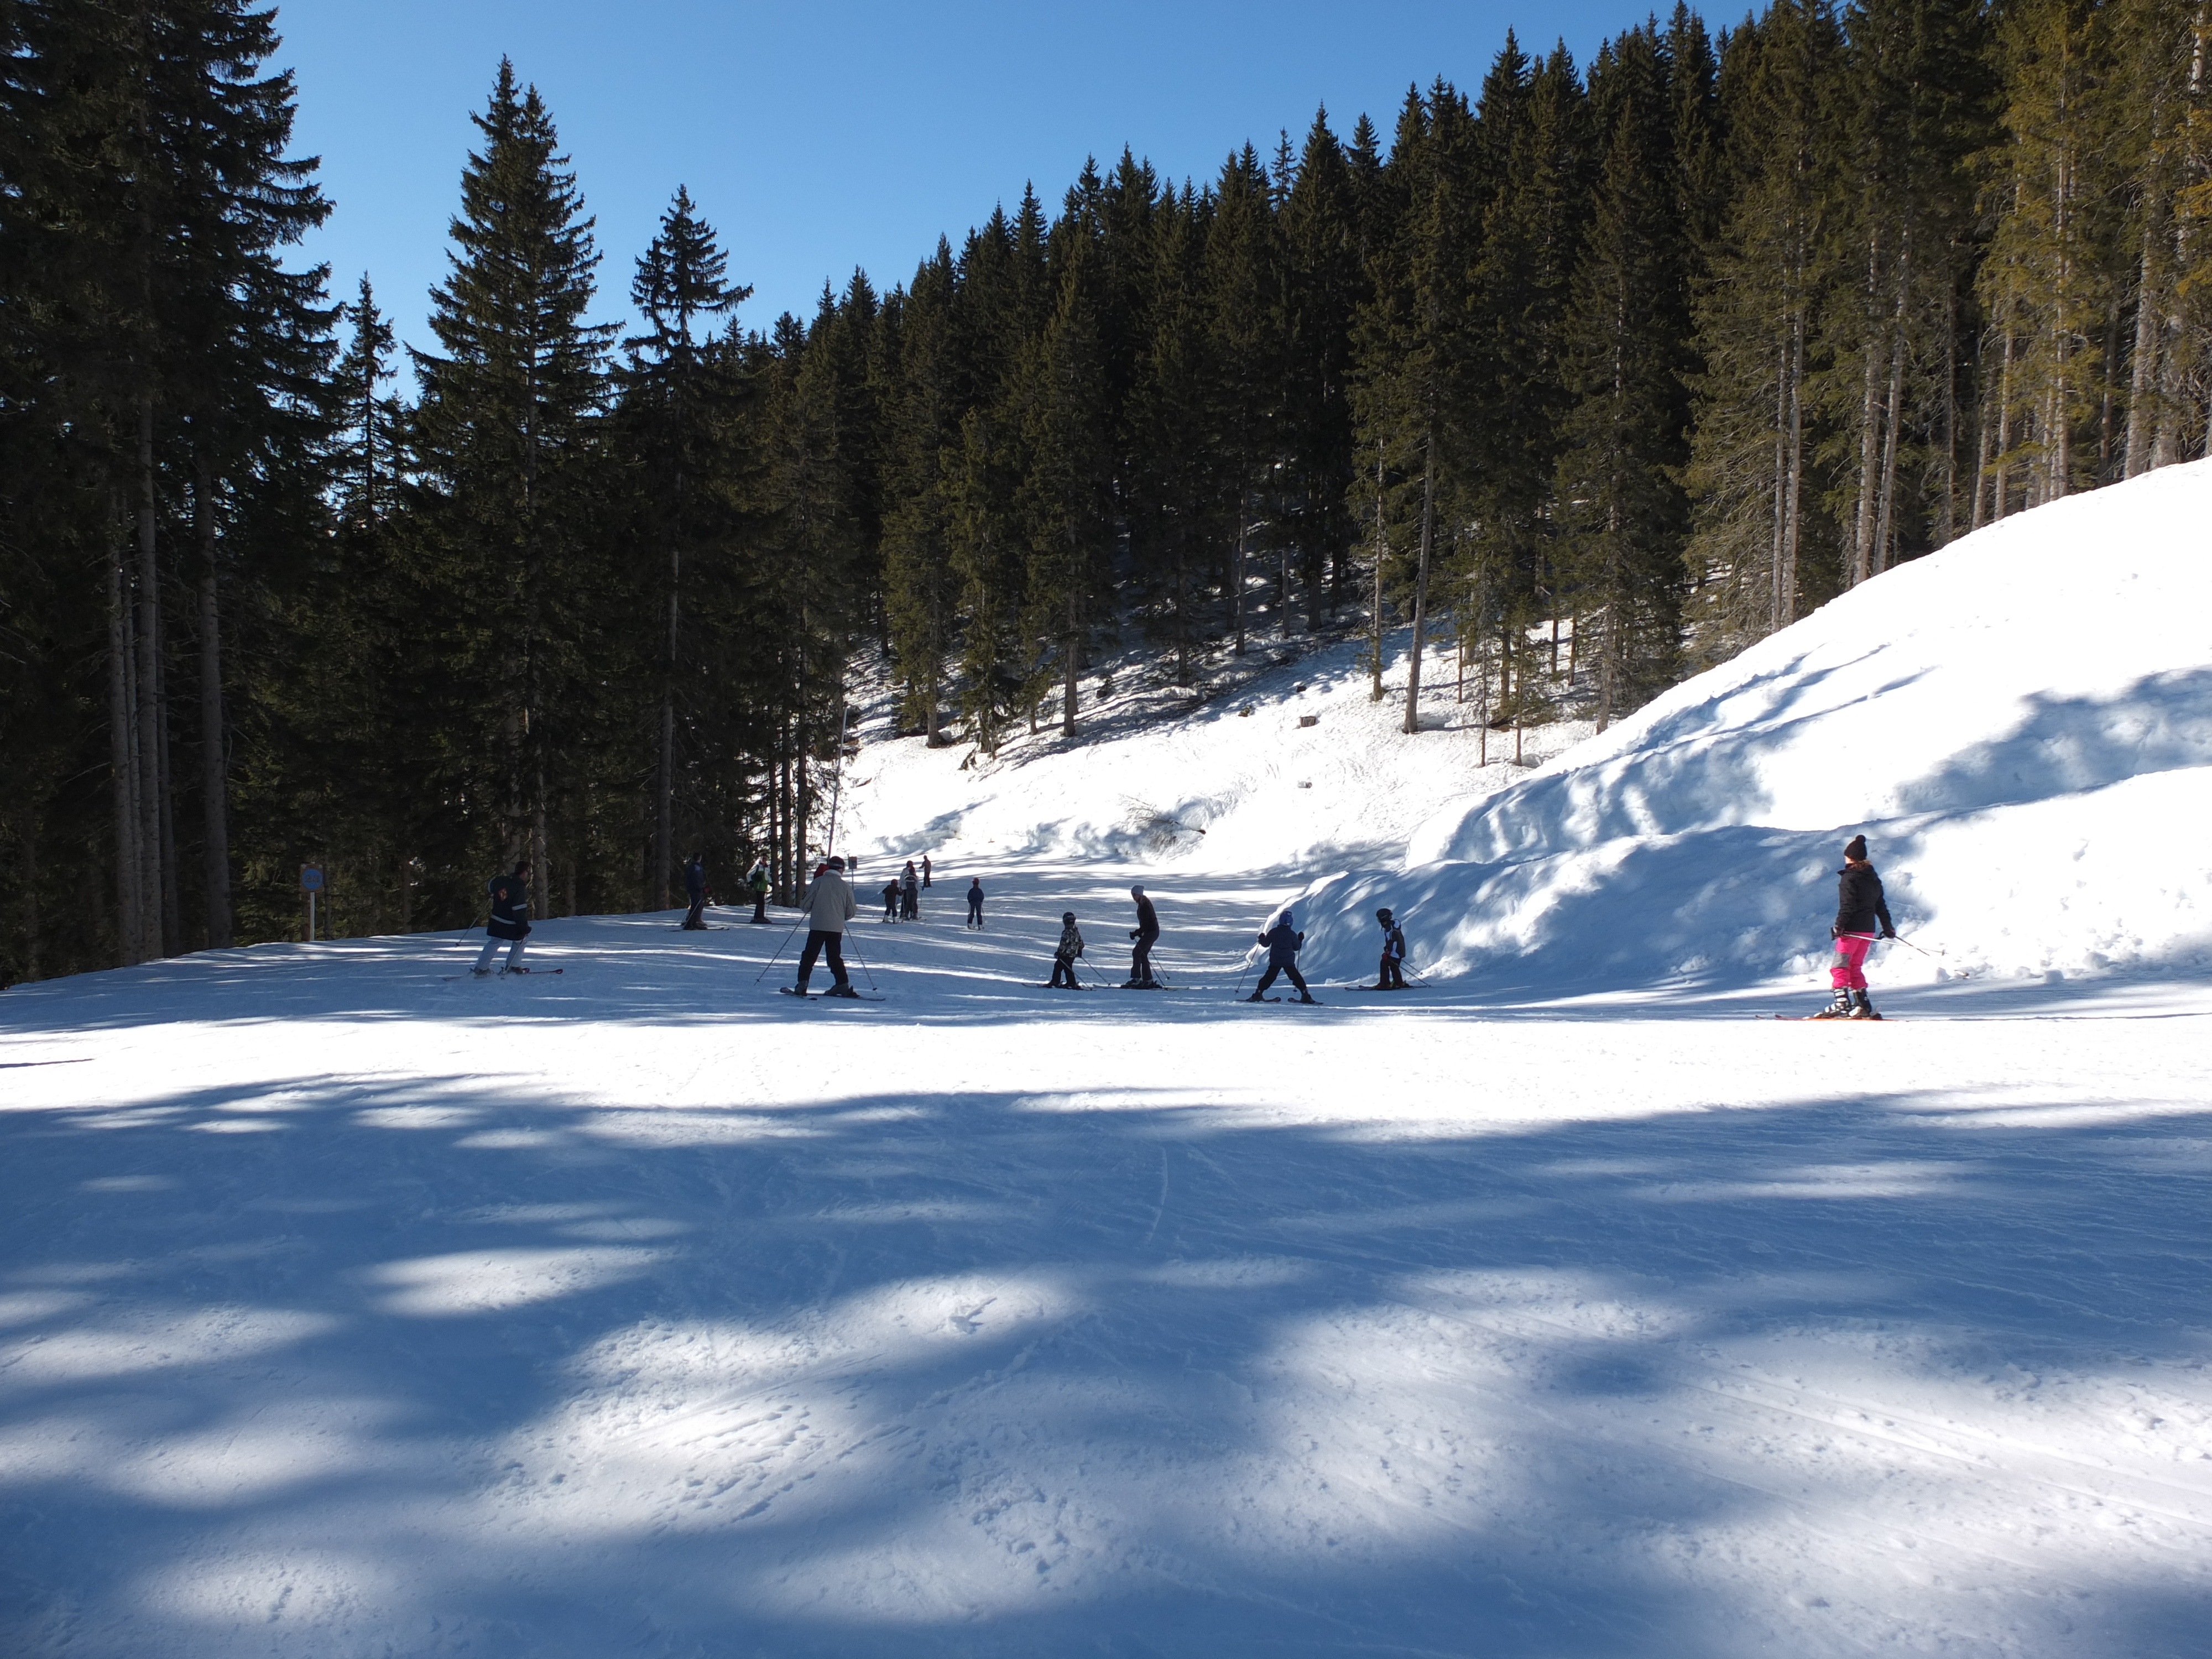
{"type": "Point", "coordinates": [1065, 953]}
{"type": "Point", "coordinates": [1146, 933]}
{"type": "Point", "coordinates": [757, 879]}
{"type": "Point", "coordinates": [1860, 910]}
{"type": "Point", "coordinates": [695, 885]}
{"type": "Point", "coordinates": [828, 902]}
{"type": "Point", "coordinates": [975, 900]}
{"type": "Point", "coordinates": [909, 893]}
{"type": "Point", "coordinates": [1391, 975]}
{"type": "Point", "coordinates": [510, 920]}
{"type": "Point", "coordinates": [1283, 941]}
{"type": "Point", "coordinates": [924, 869]}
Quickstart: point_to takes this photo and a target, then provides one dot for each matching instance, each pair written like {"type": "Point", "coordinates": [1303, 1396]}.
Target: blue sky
{"type": "Point", "coordinates": [817, 138]}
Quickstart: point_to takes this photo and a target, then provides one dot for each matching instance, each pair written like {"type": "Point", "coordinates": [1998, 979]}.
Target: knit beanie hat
{"type": "Point", "coordinates": [1856, 848]}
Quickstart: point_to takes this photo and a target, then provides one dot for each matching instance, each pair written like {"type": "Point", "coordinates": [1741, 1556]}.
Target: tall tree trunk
{"type": "Point", "coordinates": [1072, 664]}
{"type": "Point", "coordinates": [1869, 437]}
{"type": "Point", "coordinates": [1893, 418]}
{"type": "Point", "coordinates": [1237, 600]}
{"type": "Point", "coordinates": [122, 763]}
{"type": "Point", "coordinates": [1375, 620]}
{"type": "Point", "coordinates": [1793, 518]}
{"type": "Point", "coordinates": [1413, 722]}
{"type": "Point", "coordinates": [214, 769]}
{"type": "Point", "coordinates": [147, 688]}
{"type": "Point", "coordinates": [664, 785]}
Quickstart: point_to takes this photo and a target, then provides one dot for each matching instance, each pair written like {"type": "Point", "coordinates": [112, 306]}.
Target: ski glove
{"type": "Point", "coordinates": [1889, 932]}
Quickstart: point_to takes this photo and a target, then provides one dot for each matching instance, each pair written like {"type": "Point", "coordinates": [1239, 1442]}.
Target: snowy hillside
{"type": "Point", "coordinates": [351, 1306]}
{"type": "Point", "coordinates": [2021, 724]}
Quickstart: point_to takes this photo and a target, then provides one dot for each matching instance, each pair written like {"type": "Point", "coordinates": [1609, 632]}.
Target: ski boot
{"type": "Point", "coordinates": [841, 990]}
{"type": "Point", "coordinates": [1865, 1008]}
{"type": "Point", "coordinates": [480, 973]}
{"type": "Point", "coordinates": [511, 969]}
{"type": "Point", "coordinates": [1314, 999]}
{"type": "Point", "coordinates": [1839, 1009]}
{"type": "Point", "coordinates": [1255, 997]}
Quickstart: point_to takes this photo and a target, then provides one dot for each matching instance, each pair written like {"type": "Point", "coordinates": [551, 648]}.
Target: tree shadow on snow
{"type": "Point", "coordinates": [340, 1364]}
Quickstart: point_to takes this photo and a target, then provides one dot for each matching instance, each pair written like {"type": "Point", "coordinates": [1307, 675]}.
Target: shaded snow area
{"type": "Point", "coordinates": [351, 1306]}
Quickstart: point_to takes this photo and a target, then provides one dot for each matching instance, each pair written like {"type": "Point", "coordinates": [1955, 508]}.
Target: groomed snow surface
{"type": "Point", "coordinates": [1562, 1309]}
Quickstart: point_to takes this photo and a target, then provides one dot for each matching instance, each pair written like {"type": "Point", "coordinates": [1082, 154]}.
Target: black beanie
{"type": "Point", "coordinates": [1856, 848]}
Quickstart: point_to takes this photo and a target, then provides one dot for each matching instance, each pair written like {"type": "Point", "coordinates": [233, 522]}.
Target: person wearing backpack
{"type": "Point", "coordinates": [1391, 975]}
{"type": "Point", "coordinates": [1065, 953]}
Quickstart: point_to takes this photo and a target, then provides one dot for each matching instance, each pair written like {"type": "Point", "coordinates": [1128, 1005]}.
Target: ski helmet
{"type": "Point", "coordinates": [1067, 915]}
{"type": "Point", "coordinates": [1382, 914]}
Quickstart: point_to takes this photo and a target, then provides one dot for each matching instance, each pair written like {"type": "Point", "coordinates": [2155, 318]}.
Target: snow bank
{"type": "Point", "coordinates": [2021, 724]}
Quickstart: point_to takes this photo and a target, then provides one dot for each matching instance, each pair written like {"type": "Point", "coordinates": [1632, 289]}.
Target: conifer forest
{"type": "Point", "coordinates": [1590, 373]}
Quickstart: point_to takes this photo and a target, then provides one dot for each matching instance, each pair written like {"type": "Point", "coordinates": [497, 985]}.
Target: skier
{"type": "Point", "coordinates": [890, 901]}
{"type": "Point", "coordinates": [1283, 941]}
{"type": "Point", "coordinates": [829, 906]}
{"type": "Point", "coordinates": [1065, 953]}
{"type": "Point", "coordinates": [909, 893]}
{"type": "Point", "coordinates": [1860, 907]}
{"type": "Point", "coordinates": [1390, 976]}
{"type": "Point", "coordinates": [510, 920]}
{"type": "Point", "coordinates": [695, 884]}
{"type": "Point", "coordinates": [1146, 933]}
{"type": "Point", "coordinates": [924, 869]}
{"type": "Point", "coordinates": [975, 900]}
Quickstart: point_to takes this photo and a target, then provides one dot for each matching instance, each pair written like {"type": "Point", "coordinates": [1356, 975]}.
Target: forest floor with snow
{"type": "Point", "coordinates": [353, 1309]}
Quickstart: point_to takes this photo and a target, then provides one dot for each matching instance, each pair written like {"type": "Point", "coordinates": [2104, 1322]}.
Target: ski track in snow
{"type": "Point", "coordinates": [346, 1309]}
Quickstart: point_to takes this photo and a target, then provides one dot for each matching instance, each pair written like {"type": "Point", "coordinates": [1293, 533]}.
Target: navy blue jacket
{"type": "Point", "coordinates": [694, 880]}
{"type": "Point", "coordinates": [1282, 942]}
{"type": "Point", "coordinates": [510, 907]}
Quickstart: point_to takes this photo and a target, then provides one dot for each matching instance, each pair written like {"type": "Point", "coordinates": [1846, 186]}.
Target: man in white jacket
{"type": "Point", "coordinates": [829, 906]}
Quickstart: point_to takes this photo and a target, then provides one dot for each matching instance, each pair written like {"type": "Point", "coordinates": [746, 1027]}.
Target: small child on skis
{"type": "Point", "coordinates": [890, 901]}
{"type": "Point", "coordinates": [1391, 975]}
{"type": "Point", "coordinates": [1065, 953]}
{"type": "Point", "coordinates": [1860, 907]}
{"type": "Point", "coordinates": [975, 902]}
{"type": "Point", "coordinates": [1284, 943]}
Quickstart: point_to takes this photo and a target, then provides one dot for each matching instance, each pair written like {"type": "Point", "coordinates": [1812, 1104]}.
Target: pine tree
{"type": "Point", "coordinates": [1623, 445]}
{"type": "Point", "coordinates": [1755, 525]}
{"type": "Point", "coordinates": [505, 437]}
{"type": "Point", "coordinates": [677, 408]}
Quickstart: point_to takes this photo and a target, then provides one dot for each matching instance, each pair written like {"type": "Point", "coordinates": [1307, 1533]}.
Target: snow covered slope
{"type": "Point", "coordinates": [2021, 726]}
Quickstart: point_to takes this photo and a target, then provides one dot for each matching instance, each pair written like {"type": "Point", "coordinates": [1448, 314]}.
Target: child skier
{"type": "Point", "coordinates": [1284, 942]}
{"type": "Point", "coordinates": [1391, 975]}
{"type": "Point", "coordinates": [975, 900]}
{"type": "Point", "coordinates": [890, 901]}
{"type": "Point", "coordinates": [1860, 907]}
{"type": "Point", "coordinates": [695, 888]}
{"type": "Point", "coordinates": [510, 920]}
{"type": "Point", "coordinates": [1065, 953]}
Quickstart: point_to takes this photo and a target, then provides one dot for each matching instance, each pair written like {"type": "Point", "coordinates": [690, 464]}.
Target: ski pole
{"type": "Point", "coordinates": [864, 968]}
{"type": "Point", "coordinates": [770, 962]}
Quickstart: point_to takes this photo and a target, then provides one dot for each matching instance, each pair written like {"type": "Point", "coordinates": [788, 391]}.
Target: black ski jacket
{"type": "Point", "coordinates": [694, 880]}
{"type": "Point", "coordinates": [1393, 942]}
{"type": "Point", "coordinates": [510, 907]}
{"type": "Point", "coordinates": [1859, 902]}
{"type": "Point", "coordinates": [1148, 919]}
{"type": "Point", "coordinates": [1282, 942]}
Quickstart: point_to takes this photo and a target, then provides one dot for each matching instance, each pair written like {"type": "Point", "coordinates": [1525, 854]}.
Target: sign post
{"type": "Point", "coordinates": [311, 880]}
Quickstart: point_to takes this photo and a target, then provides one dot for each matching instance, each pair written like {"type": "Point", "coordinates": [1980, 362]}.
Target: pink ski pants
{"type": "Point", "coordinates": [1849, 973]}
